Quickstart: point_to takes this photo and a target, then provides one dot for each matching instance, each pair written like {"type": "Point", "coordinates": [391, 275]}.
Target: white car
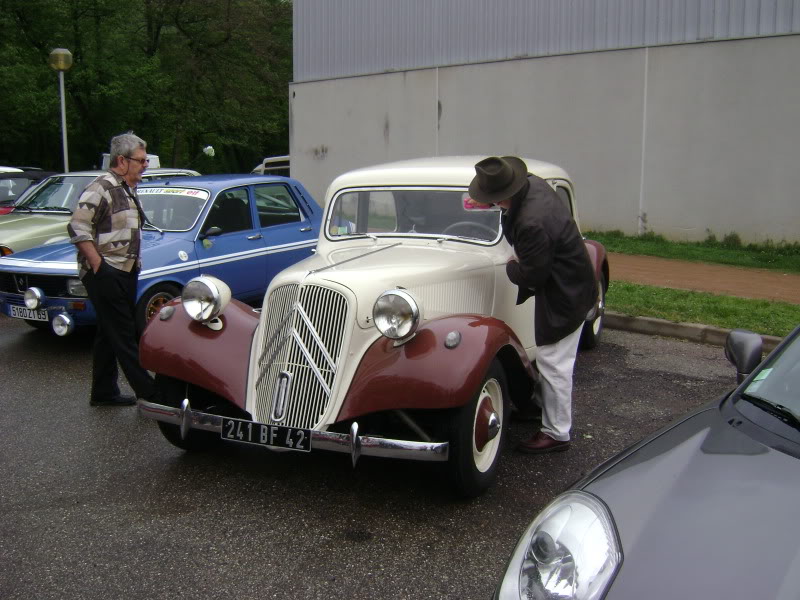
{"type": "Point", "coordinates": [399, 338]}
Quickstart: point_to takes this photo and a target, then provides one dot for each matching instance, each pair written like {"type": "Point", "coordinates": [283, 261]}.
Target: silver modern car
{"type": "Point", "coordinates": [706, 508]}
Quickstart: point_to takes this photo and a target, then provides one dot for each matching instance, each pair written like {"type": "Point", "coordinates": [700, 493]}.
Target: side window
{"type": "Point", "coordinates": [230, 212]}
{"type": "Point", "coordinates": [275, 205]}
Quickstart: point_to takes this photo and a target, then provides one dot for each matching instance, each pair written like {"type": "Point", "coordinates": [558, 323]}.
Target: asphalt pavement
{"type": "Point", "coordinates": [95, 503]}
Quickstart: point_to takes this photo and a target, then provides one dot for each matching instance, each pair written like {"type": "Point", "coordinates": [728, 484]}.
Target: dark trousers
{"type": "Point", "coordinates": [113, 294]}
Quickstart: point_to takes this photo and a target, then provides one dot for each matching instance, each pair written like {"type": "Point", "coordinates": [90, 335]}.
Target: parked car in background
{"type": "Point", "coordinates": [399, 338]}
{"type": "Point", "coordinates": [242, 228]}
{"type": "Point", "coordinates": [41, 217]}
{"type": "Point", "coordinates": [705, 508]}
{"type": "Point", "coordinates": [13, 185]}
{"type": "Point", "coordinates": [273, 165]}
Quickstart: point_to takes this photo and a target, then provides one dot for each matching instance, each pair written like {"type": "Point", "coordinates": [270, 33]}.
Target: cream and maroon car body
{"type": "Point", "coordinates": [313, 370]}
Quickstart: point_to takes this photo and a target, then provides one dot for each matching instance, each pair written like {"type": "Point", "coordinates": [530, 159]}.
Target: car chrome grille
{"type": "Point", "coordinates": [303, 335]}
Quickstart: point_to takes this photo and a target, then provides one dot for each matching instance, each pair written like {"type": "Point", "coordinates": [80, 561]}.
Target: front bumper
{"type": "Point", "coordinates": [349, 443]}
{"type": "Point", "coordinates": [80, 310]}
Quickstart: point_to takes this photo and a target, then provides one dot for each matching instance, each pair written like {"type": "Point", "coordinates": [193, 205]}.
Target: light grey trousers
{"type": "Point", "coordinates": [554, 392]}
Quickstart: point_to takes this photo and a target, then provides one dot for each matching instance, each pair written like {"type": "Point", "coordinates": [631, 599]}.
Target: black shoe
{"type": "Point", "coordinates": [116, 401]}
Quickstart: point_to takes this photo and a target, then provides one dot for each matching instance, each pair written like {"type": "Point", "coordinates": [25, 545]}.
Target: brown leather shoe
{"type": "Point", "coordinates": [542, 443]}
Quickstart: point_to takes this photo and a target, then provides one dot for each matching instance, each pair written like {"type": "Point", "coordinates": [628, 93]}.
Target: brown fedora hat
{"type": "Point", "coordinates": [498, 178]}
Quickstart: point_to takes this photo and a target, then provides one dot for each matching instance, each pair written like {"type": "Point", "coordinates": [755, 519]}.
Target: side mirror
{"type": "Point", "coordinates": [743, 349]}
{"type": "Point", "coordinates": [210, 232]}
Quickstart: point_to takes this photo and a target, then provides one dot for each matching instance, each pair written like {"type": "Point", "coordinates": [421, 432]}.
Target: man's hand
{"type": "Point", "coordinates": [93, 257]}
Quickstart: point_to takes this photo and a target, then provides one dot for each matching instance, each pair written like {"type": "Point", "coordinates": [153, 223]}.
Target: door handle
{"type": "Point", "coordinates": [306, 228]}
{"type": "Point", "coordinates": [257, 236]}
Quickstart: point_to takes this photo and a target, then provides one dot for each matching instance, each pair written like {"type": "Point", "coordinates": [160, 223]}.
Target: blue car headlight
{"type": "Point", "coordinates": [571, 550]}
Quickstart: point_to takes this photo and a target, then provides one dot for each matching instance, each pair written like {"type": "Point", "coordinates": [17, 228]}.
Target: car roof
{"type": "Point", "coordinates": [154, 171]}
{"type": "Point", "coordinates": [215, 183]}
{"type": "Point", "coordinates": [456, 171]}
{"type": "Point", "coordinates": [26, 175]}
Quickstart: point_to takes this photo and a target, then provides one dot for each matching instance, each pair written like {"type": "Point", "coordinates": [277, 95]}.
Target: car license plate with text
{"type": "Point", "coordinates": [274, 436]}
{"type": "Point", "coordinates": [23, 312]}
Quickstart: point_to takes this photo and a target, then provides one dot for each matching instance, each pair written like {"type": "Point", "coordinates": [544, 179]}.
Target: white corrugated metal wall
{"type": "Point", "coordinates": [660, 132]}
{"type": "Point", "coordinates": [340, 38]}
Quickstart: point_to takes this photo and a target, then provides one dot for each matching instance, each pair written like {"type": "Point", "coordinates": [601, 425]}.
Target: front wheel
{"type": "Point", "coordinates": [152, 300]}
{"type": "Point", "coordinates": [593, 327]}
{"type": "Point", "coordinates": [172, 392]}
{"type": "Point", "coordinates": [477, 434]}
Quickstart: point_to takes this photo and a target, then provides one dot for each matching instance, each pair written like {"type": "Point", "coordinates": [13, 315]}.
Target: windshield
{"type": "Point", "coordinates": [410, 212]}
{"type": "Point", "coordinates": [57, 194]}
{"type": "Point", "coordinates": [172, 208]}
{"type": "Point", "coordinates": [778, 380]}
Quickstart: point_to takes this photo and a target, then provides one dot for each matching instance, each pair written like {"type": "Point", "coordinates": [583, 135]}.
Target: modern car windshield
{"type": "Point", "coordinates": [172, 208]}
{"type": "Point", "coordinates": [410, 211]}
{"type": "Point", "coordinates": [57, 194]}
{"type": "Point", "coordinates": [778, 380]}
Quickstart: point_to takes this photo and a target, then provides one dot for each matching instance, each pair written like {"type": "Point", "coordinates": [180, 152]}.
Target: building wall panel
{"type": "Point", "coordinates": [681, 140]}
{"type": "Point", "coordinates": [343, 38]}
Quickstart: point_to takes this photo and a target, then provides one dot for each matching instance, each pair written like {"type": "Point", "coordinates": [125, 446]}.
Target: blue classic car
{"type": "Point", "coordinates": [240, 228]}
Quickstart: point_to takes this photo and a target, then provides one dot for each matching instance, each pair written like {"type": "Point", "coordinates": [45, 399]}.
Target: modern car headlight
{"type": "Point", "coordinates": [396, 314]}
{"type": "Point", "coordinates": [75, 287]}
{"type": "Point", "coordinates": [570, 551]}
{"type": "Point", "coordinates": [205, 297]}
{"type": "Point", "coordinates": [34, 298]}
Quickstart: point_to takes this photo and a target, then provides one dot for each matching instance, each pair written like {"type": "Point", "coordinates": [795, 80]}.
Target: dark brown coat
{"type": "Point", "coordinates": [553, 264]}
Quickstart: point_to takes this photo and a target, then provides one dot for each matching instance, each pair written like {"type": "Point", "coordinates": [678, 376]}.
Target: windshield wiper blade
{"type": "Point", "coordinates": [54, 208]}
{"type": "Point", "coordinates": [351, 236]}
{"type": "Point", "coordinates": [779, 411]}
{"type": "Point", "coordinates": [149, 225]}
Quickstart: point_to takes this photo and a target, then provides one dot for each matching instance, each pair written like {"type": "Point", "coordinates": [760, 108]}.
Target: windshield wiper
{"type": "Point", "coordinates": [53, 208]}
{"type": "Point", "coordinates": [351, 236]}
{"type": "Point", "coordinates": [779, 411]}
{"type": "Point", "coordinates": [149, 225]}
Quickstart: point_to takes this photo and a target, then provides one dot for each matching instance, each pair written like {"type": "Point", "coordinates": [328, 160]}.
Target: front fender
{"type": "Point", "coordinates": [187, 350]}
{"type": "Point", "coordinates": [423, 373]}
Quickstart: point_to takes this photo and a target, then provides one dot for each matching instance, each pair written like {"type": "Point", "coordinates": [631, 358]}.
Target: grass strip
{"type": "Point", "coordinates": [681, 306]}
{"type": "Point", "coordinates": [784, 257]}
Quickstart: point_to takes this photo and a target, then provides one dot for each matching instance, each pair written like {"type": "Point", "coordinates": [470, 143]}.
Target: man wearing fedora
{"type": "Point", "coordinates": [552, 265]}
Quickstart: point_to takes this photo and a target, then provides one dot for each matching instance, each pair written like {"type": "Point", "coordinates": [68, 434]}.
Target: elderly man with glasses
{"type": "Point", "coordinates": [106, 228]}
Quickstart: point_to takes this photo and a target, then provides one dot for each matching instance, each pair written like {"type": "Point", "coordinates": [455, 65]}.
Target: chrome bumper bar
{"type": "Point", "coordinates": [350, 443]}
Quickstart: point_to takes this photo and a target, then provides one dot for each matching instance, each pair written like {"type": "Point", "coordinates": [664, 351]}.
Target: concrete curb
{"type": "Point", "coordinates": [704, 334]}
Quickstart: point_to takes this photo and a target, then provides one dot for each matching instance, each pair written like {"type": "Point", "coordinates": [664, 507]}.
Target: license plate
{"type": "Point", "coordinates": [274, 436]}
{"type": "Point", "coordinates": [23, 312]}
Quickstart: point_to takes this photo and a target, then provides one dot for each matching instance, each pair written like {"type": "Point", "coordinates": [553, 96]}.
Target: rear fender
{"type": "Point", "coordinates": [424, 374]}
{"type": "Point", "coordinates": [597, 253]}
{"type": "Point", "coordinates": [189, 351]}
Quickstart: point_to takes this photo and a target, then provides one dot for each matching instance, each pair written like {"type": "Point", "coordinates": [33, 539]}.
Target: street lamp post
{"type": "Point", "coordinates": [61, 60]}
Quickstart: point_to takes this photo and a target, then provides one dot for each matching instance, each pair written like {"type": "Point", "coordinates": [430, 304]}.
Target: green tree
{"type": "Point", "coordinates": [182, 74]}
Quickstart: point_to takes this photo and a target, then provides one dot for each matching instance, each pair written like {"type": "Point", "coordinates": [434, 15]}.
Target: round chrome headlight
{"type": "Point", "coordinates": [62, 324]}
{"type": "Point", "coordinates": [205, 297]}
{"type": "Point", "coordinates": [570, 551]}
{"type": "Point", "coordinates": [396, 314]}
{"type": "Point", "coordinates": [34, 298]}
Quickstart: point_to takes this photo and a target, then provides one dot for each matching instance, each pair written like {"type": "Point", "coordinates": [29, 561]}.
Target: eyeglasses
{"type": "Point", "coordinates": [141, 161]}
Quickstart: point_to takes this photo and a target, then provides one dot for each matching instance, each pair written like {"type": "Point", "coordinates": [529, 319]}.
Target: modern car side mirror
{"type": "Point", "coordinates": [743, 349]}
{"type": "Point", "coordinates": [210, 232]}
